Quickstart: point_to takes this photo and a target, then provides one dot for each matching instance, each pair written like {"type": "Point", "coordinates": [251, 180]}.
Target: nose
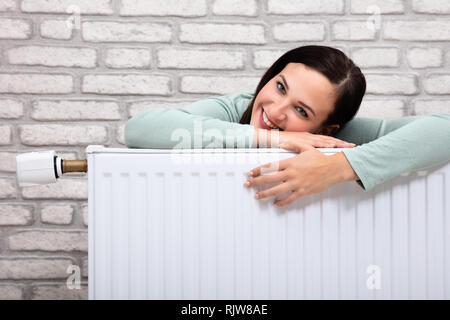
{"type": "Point", "coordinates": [279, 113]}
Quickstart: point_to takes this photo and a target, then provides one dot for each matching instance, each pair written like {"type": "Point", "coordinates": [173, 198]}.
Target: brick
{"type": "Point", "coordinates": [381, 6]}
{"type": "Point", "coordinates": [72, 189]}
{"type": "Point", "coordinates": [7, 188]}
{"type": "Point", "coordinates": [5, 135]}
{"type": "Point", "coordinates": [85, 267]}
{"type": "Point", "coordinates": [127, 58]}
{"type": "Point", "coordinates": [263, 59]}
{"type": "Point", "coordinates": [11, 109]}
{"type": "Point", "coordinates": [181, 8]}
{"type": "Point", "coordinates": [15, 29]}
{"type": "Point", "coordinates": [65, 135]}
{"type": "Point", "coordinates": [353, 30]}
{"type": "Point", "coordinates": [289, 7]}
{"type": "Point", "coordinates": [15, 215]}
{"type": "Point", "coordinates": [382, 109]}
{"type": "Point", "coordinates": [426, 106]}
{"type": "Point", "coordinates": [312, 31]}
{"type": "Point", "coordinates": [424, 57]}
{"type": "Point", "coordinates": [100, 7]}
{"type": "Point", "coordinates": [57, 214]}
{"type": "Point", "coordinates": [43, 240]}
{"type": "Point", "coordinates": [10, 292]}
{"type": "Point", "coordinates": [137, 106]}
{"type": "Point", "coordinates": [222, 33]}
{"type": "Point", "coordinates": [34, 268]}
{"type": "Point", "coordinates": [431, 6]}
{"type": "Point", "coordinates": [235, 8]}
{"type": "Point", "coordinates": [125, 32]}
{"type": "Point", "coordinates": [53, 56]}
{"type": "Point", "coordinates": [56, 29]}
{"type": "Point", "coordinates": [126, 84]}
{"type": "Point", "coordinates": [8, 161]}
{"type": "Point", "coordinates": [35, 83]}
{"type": "Point", "coordinates": [391, 84]}
{"type": "Point", "coordinates": [67, 155]}
{"type": "Point", "coordinates": [437, 84]}
{"type": "Point", "coordinates": [417, 30]}
{"type": "Point", "coordinates": [84, 214]}
{"type": "Point", "coordinates": [58, 292]}
{"type": "Point", "coordinates": [200, 59]}
{"type": "Point", "coordinates": [75, 110]}
{"type": "Point", "coordinates": [218, 85]}
{"type": "Point", "coordinates": [120, 134]}
{"type": "Point", "coordinates": [376, 57]}
{"type": "Point", "coordinates": [8, 5]}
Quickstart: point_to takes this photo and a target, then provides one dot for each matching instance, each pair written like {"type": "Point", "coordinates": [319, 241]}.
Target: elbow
{"type": "Point", "coordinates": [130, 135]}
{"type": "Point", "coordinates": [133, 135]}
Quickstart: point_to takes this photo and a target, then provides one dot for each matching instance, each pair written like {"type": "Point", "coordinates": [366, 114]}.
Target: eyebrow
{"type": "Point", "coordinates": [302, 103]}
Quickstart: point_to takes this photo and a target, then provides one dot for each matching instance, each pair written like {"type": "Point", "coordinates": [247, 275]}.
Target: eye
{"type": "Point", "coordinates": [300, 109]}
{"type": "Point", "coordinates": [279, 83]}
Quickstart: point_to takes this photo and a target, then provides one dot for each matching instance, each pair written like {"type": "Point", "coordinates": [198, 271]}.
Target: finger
{"type": "Point", "coordinates": [340, 142]}
{"type": "Point", "coordinates": [288, 200]}
{"type": "Point", "coordinates": [334, 142]}
{"type": "Point", "coordinates": [268, 168]}
{"type": "Point", "coordinates": [296, 146]}
{"type": "Point", "coordinates": [280, 176]}
{"type": "Point", "coordinates": [274, 191]}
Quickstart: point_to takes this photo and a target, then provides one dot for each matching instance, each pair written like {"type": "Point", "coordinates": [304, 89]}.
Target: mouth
{"type": "Point", "coordinates": [265, 122]}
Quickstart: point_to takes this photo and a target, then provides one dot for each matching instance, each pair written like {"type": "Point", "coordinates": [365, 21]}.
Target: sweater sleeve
{"type": "Point", "coordinates": [208, 123]}
{"type": "Point", "coordinates": [387, 148]}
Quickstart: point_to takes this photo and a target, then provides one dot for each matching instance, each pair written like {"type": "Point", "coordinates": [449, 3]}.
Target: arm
{"type": "Point", "coordinates": [391, 147]}
{"type": "Point", "coordinates": [208, 123]}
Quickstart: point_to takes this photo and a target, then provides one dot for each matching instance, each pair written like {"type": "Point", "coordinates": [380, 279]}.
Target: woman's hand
{"type": "Point", "coordinates": [309, 172]}
{"type": "Point", "coordinates": [274, 138]}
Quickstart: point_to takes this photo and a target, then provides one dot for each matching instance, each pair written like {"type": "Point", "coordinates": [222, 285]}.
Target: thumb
{"type": "Point", "coordinates": [296, 146]}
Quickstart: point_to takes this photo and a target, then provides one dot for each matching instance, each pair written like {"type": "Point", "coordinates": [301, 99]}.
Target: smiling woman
{"type": "Point", "coordinates": [310, 88]}
{"type": "Point", "coordinates": [307, 99]}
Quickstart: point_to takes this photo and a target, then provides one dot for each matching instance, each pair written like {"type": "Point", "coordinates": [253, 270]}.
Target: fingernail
{"type": "Point", "coordinates": [250, 173]}
{"type": "Point", "coordinates": [256, 196]}
{"type": "Point", "coordinates": [247, 183]}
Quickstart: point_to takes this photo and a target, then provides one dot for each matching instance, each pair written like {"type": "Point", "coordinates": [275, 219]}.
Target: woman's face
{"type": "Point", "coordinates": [297, 99]}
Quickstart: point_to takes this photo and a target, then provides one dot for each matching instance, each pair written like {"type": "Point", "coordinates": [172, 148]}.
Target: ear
{"type": "Point", "coordinates": [329, 130]}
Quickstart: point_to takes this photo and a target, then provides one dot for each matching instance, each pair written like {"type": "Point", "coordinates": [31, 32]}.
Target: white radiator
{"type": "Point", "coordinates": [183, 226]}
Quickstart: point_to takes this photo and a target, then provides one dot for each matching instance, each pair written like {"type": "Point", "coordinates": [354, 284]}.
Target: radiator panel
{"type": "Point", "coordinates": [182, 228]}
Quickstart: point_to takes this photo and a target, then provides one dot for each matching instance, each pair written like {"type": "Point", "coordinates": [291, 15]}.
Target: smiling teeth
{"type": "Point", "coordinates": [267, 122]}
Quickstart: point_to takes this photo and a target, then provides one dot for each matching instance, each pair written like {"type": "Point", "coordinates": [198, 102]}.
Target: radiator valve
{"type": "Point", "coordinates": [44, 167]}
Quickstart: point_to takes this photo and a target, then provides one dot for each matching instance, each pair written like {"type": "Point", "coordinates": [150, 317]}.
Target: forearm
{"type": "Point", "coordinates": [263, 138]}
{"type": "Point", "coordinates": [418, 145]}
{"type": "Point", "coordinates": [341, 165]}
{"type": "Point", "coordinates": [168, 128]}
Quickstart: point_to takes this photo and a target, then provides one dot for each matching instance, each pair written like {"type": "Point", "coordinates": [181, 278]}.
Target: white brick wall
{"type": "Point", "coordinates": [73, 71]}
{"type": "Point", "coordinates": [53, 56]}
{"type": "Point", "coordinates": [48, 241]}
{"type": "Point", "coordinates": [56, 29]}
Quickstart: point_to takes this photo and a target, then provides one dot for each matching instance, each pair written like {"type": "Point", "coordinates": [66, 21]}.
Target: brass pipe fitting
{"type": "Point", "coordinates": [74, 166]}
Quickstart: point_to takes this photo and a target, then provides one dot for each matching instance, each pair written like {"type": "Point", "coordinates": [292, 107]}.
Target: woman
{"type": "Point", "coordinates": [306, 99]}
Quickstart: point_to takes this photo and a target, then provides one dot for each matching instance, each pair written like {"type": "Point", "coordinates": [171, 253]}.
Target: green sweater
{"type": "Point", "coordinates": [385, 148]}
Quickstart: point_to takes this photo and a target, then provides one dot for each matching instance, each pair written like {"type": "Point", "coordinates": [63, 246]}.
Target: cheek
{"type": "Point", "coordinates": [296, 124]}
